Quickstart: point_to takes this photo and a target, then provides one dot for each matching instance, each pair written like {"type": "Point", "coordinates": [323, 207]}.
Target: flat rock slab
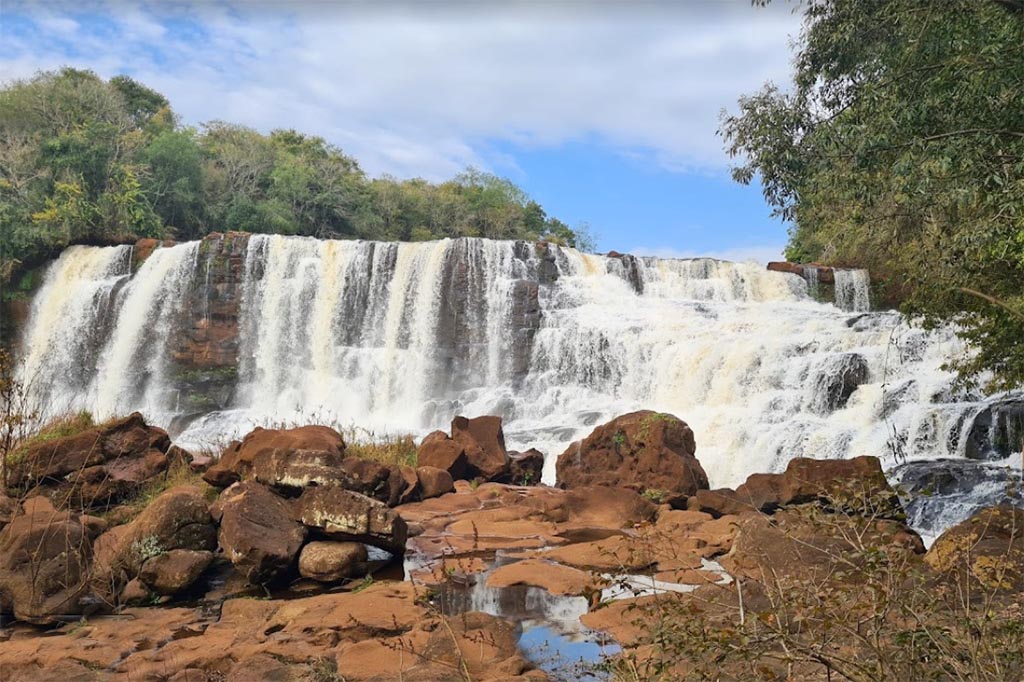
{"type": "Point", "coordinates": [555, 578]}
{"type": "Point", "coordinates": [384, 632]}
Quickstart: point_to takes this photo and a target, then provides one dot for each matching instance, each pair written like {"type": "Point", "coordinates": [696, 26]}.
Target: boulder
{"type": "Point", "coordinates": [289, 469]}
{"type": "Point", "coordinates": [345, 515]}
{"type": "Point", "coordinates": [236, 462]}
{"type": "Point", "coordinates": [44, 566]}
{"type": "Point", "coordinates": [997, 431]}
{"type": "Point", "coordinates": [856, 486]}
{"type": "Point", "coordinates": [794, 544]}
{"type": "Point", "coordinates": [486, 646]}
{"type": "Point", "coordinates": [932, 489]}
{"type": "Point", "coordinates": [174, 571]}
{"type": "Point", "coordinates": [719, 502]}
{"type": "Point", "coordinates": [178, 519]}
{"type": "Point", "coordinates": [330, 562]}
{"type": "Point", "coordinates": [434, 482]}
{"type": "Point", "coordinates": [648, 452]}
{"type": "Point", "coordinates": [526, 468]}
{"type": "Point", "coordinates": [835, 379]}
{"type": "Point", "coordinates": [257, 531]}
{"type": "Point", "coordinates": [95, 467]}
{"type": "Point", "coordinates": [405, 482]}
{"type": "Point", "coordinates": [373, 479]}
{"type": "Point", "coordinates": [438, 450]}
{"type": "Point", "coordinates": [484, 444]}
{"type": "Point", "coordinates": [986, 551]}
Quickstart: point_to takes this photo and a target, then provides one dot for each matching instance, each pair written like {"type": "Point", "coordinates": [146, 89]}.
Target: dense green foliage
{"type": "Point", "coordinates": [900, 147]}
{"type": "Point", "coordinates": [83, 159]}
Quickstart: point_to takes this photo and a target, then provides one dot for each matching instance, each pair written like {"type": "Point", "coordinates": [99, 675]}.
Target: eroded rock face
{"type": "Point", "coordinates": [257, 531]}
{"type": "Point", "coordinates": [203, 365]}
{"type": "Point", "coordinates": [643, 451]}
{"type": "Point", "coordinates": [998, 430]}
{"type": "Point", "coordinates": [96, 467]}
{"type": "Point", "coordinates": [329, 562]}
{"type": "Point", "coordinates": [237, 461]}
{"type": "Point", "coordinates": [345, 515]}
{"type": "Point", "coordinates": [987, 550]}
{"type": "Point", "coordinates": [295, 469]}
{"type": "Point", "coordinates": [44, 566]}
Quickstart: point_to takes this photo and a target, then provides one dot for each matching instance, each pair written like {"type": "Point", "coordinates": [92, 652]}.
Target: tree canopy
{"type": "Point", "coordinates": [84, 159]}
{"type": "Point", "coordinates": [899, 147]}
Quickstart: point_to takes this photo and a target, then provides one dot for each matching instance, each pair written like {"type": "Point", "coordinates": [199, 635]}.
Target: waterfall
{"type": "Point", "coordinates": [97, 337]}
{"type": "Point", "coordinates": [812, 276]}
{"type": "Point", "coordinates": [853, 290]}
{"type": "Point", "coordinates": [401, 337]}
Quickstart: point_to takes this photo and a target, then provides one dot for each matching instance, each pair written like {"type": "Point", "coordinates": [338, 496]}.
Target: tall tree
{"type": "Point", "coordinates": [900, 146]}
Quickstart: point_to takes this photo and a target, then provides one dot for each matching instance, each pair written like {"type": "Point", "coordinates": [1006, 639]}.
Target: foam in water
{"type": "Point", "coordinates": [401, 337]}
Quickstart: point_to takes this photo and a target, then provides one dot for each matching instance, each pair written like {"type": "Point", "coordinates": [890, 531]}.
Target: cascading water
{"type": "Point", "coordinates": [401, 337]}
{"type": "Point", "coordinates": [853, 290]}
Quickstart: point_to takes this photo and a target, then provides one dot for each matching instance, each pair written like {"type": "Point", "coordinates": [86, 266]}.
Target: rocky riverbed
{"type": "Point", "coordinates": [287, 559]}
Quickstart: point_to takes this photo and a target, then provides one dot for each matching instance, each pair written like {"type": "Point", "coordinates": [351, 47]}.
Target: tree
{"type": "Point", "coordinates": [900, 147]}
{"type": "Point", "coordinates": [83, 159]}
{"type": "Point", "coordinates": [175, 181]}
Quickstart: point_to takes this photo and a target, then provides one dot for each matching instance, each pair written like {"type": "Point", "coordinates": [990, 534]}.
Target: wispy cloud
{"type": "Point", "coordinates": [758, 253]}
{"type": "Point", "coordinates": [420, 89]}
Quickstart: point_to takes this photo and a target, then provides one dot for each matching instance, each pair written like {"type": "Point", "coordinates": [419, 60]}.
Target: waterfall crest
{"type": "Point", "coordinates": [401, 337]}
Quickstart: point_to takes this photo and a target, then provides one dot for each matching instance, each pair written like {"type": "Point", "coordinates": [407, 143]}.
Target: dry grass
{"type": "Point", "coordinates": [386, 448]}
{"type": "Point", "coordinates": [178, 473]}
{"type": "Point", "coordinates": [58, 427]}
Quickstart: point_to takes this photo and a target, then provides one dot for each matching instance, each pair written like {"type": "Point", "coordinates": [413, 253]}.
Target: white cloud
{"type": "Point", "coordinates": [418, 89]}
{"type": "Point", "coordinates": [760, 254]}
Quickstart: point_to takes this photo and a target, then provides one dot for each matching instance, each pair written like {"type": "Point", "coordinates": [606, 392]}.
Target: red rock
{"type": "Point", "coordinates": [294, 469]}
{"type": "Point", "coordinates": [329, 562]}
{"type": "Point", "coordinates": [526, 468]}
{"type": "Point", "coordinates": [406, 482]}
{"type": "Point", "coordinates": [346, 515]}
{"type": "Point", "coordinates": [552, 577]}
{"type": "Point", "coordinates": [484, 444]}
{"type": "Point", "coordinates": [434, 482]}
{"type": "Point", "coordinates": [44, 566]}
{"type": "Point", "coordinates": [647, 452]}
{"type": "Point", "coordinates": [171, 572]}
{"type": "Point", "coordinates": [257, 531]}
{"type": "Point", "coordinates": [985, 553]}
{"type": "Point", "coordinates": [236, 462]}
{"type": "Point", "coordinates": [441, 452]}
{"type": "Point", "coordinates": [96, 467]}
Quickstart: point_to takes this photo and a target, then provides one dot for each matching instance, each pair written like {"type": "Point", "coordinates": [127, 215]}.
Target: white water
{"type": "Point", "coordinates": [853, 290]}
{"type": "Point", "coordinates": [401, 337]}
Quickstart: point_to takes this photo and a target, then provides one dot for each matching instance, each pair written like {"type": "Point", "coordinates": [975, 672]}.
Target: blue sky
{"type": "Point", "coordinates": [605, 112]}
